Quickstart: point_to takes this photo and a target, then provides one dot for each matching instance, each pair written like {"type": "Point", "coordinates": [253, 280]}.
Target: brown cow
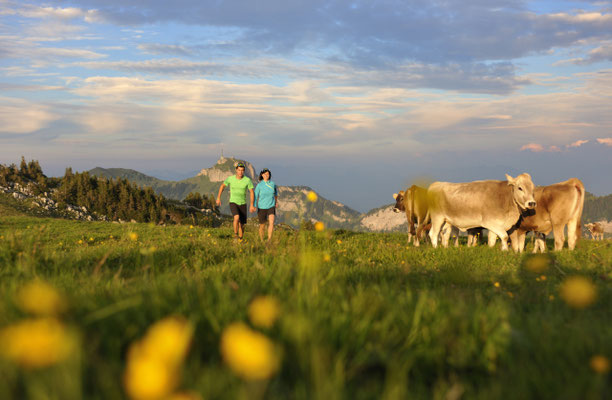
{"type": "Point", "coordinates": [596, 230]}
{"type": "Point", "coordinates": [494, 205]}
{"type": "Point", "coordinates": [558, 205]}
{"type": "Point", "coordinates": [413, 202]}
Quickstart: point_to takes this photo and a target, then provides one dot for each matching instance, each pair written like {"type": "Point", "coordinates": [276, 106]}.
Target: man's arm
{"type": "Point", "coordinates": [219, 195]}
{"type": "Point", "coordinates": [252, 200]}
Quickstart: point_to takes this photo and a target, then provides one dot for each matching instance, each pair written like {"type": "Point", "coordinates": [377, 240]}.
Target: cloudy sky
{"type": "Point", "coordinates": [356, 99]}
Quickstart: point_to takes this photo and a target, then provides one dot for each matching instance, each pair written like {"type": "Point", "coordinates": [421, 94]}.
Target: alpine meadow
{"type": "Point", "coordinates": [99, 310]}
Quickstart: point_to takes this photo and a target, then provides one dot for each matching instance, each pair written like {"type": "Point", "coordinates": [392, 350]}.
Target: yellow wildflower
{"type": "Point", "coordinates": [319, 226]}
{"type": "Point", "coordinates": [40, 298]}
{"type": "Point", "coordinates": [91, 239]}
{"type": "Point", "coordinates": [249, 354]}
{"type": "Point", "coordinates": [496, 284]}
{"type": "Point", "coordinates": [80, 241]}
{"type": "Point", "coordinates": [168, 340]}
{"type": "Point", "coordinates": [326, 257]}
{"type": "Point", "coordinates": [153, 363]}
{"type": "Point", "coordinates": [149, 378]}
{"type": "Point", "coordinates": [537, 263]}
{"type": "Point", "coordinates": [339, 241]}
{"type": "Point", "coordinates": [36, 343]}
{"type": "Point", "coordinates": [190, 226]}
{"type": "Point", "coordinates": [263, 311]}
{"type": "Point", "coordinates": [600, 364]}
{"type": "Point", "coordinates": [578, 292]}
{"type": "Point", "coordinates": [133, 236]}
{"type": "Point", "coordinates": [312, 196]}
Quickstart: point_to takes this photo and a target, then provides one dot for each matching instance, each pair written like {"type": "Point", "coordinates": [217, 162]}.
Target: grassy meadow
{"type": "Point", "coordinates": [339, 315]}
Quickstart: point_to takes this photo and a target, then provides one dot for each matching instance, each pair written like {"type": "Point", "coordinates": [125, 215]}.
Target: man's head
{"type": "Point", "coordinates": [239, 170]}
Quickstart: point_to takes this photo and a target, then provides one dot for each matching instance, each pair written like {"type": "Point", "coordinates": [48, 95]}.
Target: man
{"type": "Point", "coordinates": [238, 185]}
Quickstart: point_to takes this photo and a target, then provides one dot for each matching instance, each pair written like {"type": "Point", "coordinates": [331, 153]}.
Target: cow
{"type": "Point", "coordinates": [558, 205]}
{"type": "Point", "coordinates": [413, 202]}
{"type": "Point", "coordinates": [494, 205]}
{"type": "Point", "coordinates": [596, 230]}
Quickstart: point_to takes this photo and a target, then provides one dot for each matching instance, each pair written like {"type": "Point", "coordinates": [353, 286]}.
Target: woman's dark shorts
{"type": "Point", "coordinates": [241, 211]}
{"type": "Point", "coordinates": [263, 214]}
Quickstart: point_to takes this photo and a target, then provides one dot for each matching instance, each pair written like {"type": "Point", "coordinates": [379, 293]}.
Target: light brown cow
{"type": "Point", "coordinates": [494, 205]}
{"type": "Point", "coordinates": [413, 202]}
{"type": "Point", "coordinates": [596, 230]}
{"type": "Point", "coordinates": [558, 205]}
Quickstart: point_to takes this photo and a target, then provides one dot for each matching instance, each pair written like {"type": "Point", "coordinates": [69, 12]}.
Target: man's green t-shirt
{"type": "Point", "coordinates": [238, 188]}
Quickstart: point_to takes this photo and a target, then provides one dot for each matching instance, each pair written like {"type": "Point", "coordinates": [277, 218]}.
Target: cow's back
{"type": "Point", "coordinates": [471, 204]}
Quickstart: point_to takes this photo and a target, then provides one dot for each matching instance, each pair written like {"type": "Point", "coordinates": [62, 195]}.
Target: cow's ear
{"type": "Point", "coordinates": [394, 196]}
{"type": "Point", "coordinates": [511, 180]}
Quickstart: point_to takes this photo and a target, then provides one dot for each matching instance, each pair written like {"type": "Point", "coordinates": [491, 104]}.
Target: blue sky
{"type": "Point", "coordinates": [356, 99]}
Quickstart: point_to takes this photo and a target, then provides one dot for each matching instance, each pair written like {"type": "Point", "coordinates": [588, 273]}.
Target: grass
{"type": "Point", "coordinates": [378, 320]}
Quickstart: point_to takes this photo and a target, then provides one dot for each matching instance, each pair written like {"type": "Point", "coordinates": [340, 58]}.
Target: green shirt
{"type": "Point", "coordinates": [238, 188]}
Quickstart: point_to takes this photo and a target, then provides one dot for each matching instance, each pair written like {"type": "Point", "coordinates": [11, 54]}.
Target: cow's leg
{"type": "Point", "coordinates": [417, 233]}
{"type": "Point", "coordinates": [445, 234]}
{"type": "Point", "coordinates": [559, 236]}
{"type": "Point", "coordinates": [436, 224]}
{"type": "Point", "coordinates": [455, 232]}
{"type": "Point", "coordinates": [540, 242]}
{"type": "Point", "coordinates": [502, 235]}
{"type": "Point", "coordinates": [410, 231]}
{"type": "Point", "coordinates": [573, 234]}
{"type": "Point", "coordinates": [517, 241]}
{"type": "Point", "coordinates": [491, 239]}
{"type": "Point", "coordinates": [521, 241]}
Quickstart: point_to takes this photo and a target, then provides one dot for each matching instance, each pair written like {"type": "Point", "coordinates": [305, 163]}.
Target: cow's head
{"type": "Point", "coordinates": [399, 202]}
{"type": "Point", "coordinates": [522, 191]}
{"type": "Point", "coordinates": [589, 226]}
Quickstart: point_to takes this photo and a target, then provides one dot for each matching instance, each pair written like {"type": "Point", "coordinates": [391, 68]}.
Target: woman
{"type": "Point", "coordinates": [266, 198]}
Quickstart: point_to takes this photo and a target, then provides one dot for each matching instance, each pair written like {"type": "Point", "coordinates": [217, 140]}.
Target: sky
{"type": "Point", "coordinates": [356, 99]}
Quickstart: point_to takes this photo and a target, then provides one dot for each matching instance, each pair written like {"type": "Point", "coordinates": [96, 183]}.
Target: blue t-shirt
{"type": "Point", "coordinates": [264, 195]}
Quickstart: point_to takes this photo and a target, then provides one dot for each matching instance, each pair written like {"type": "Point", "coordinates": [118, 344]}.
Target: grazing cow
{"type": "Point", "coordinates": [558, 205]}
{"type": "Point", "coordinates": [413, 202]}
{"type": "Point", "coordinates": [596, 230]}
{"type": "Point", "coordinates": [494, 205]}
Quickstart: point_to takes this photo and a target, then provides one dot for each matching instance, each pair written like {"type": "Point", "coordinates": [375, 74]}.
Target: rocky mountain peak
{"type": "Point", "coordinates": [227, 167]}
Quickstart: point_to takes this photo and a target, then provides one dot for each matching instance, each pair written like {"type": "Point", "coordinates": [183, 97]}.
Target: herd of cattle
{"type": "Point", "coordinates": [507, 209]}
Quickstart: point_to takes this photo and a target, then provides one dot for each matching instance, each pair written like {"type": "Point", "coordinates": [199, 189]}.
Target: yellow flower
{"type": "Point", "coordinates": [249, 354]}
{"type": "Point", "coordinates": [149, 378]}
{"type": "Point", "coordinates": [80, 241]}
{"type": "Point", "coordinates": [153, 363]}
{"type": "Point", "coordinates": [312, 196]}
{"type": "Point", "coordinates": [578, 292]}
{"type": "Point", "coordinates": [36, 343]}
{"type": "Point", "coordinates": [263, 311]}
{"type": "Point", "coordinates": [537, 263]}
{"type": "Point", "coordinates": [600, 364]}
{"type": "Point", "coordinates": [327, 257]}
{"type": "Point", "coordinates": [133, 236]}
{"type": "Point", "coordinates": [190, 226]}
{"type": "Point", "coordinates": [496, 284]}
{"type": "Point", "coordinates": [319, 226]}
{"type": "Point", "coordinates": [40, 298]}
{"type": "Point", "coordinates": [91, 239]}
{"type": "Point", "coordinates": [543, 277]}
{"type": "Point", "coordinates": [339, 241]}
{"type": "Point", "coordinates": [168, 340]}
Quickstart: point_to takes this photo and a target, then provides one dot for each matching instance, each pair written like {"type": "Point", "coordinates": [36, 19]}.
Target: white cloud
{"type": "Point", "coordinates": [22, 117]}
{"type": "Point", "coordinates": [578, 143]}
{"type": "Point", "coordinates": [606, 141]}
{"type": "Point", "coordinates": [536, 148]}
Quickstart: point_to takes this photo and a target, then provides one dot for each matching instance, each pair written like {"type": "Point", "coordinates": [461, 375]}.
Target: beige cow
{"type": "Point", "coordinates": [413, 202]}
{"type": "Point", "coordinates": [596, 230]}
{"type": "Point", "coordinates": [494, 205]}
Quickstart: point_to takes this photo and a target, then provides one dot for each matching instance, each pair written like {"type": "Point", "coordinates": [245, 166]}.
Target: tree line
{"type": "Point", "coordinates": [117, 199]}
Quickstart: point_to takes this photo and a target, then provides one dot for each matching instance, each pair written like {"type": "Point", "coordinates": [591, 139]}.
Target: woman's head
{"type": "Point", "coordinates": [265, 174]}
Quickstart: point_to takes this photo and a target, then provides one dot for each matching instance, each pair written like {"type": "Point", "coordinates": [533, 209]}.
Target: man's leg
{"type": "Point", "coordinates": [237, 230]}
{"type": "Point", "coordinates": [262, 229]}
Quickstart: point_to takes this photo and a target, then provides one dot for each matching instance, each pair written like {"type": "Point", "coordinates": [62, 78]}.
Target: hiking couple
{"type": "Point", "coordinates": [265, 197]}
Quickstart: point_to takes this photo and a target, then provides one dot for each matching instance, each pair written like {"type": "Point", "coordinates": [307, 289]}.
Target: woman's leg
{"type": "Point", "coordinates": [270, 225]}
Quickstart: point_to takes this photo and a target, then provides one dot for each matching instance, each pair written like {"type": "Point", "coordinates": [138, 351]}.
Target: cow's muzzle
{"type": "Point", "coordinates": [531, 204]}
{"type": "Point", "coordinates": [396, 210]}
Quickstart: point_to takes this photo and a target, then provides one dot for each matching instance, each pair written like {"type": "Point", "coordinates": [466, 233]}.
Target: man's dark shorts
{"type": "Point", "coordinates": [263, 214]}
{"type": "Point", "coordinates": [241, 211]}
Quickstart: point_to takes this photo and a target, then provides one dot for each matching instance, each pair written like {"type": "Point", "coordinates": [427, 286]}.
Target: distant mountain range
{"type": "Point", "coordinates": [293, 204]}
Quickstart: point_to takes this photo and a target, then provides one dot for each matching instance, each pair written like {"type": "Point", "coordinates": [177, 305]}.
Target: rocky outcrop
{"type": "Point", "coordinates": [25, 193]}
{"type": "Point", "coordinates": [383, 220]}
{"type": "Point", "coordinates": [227, 167]}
